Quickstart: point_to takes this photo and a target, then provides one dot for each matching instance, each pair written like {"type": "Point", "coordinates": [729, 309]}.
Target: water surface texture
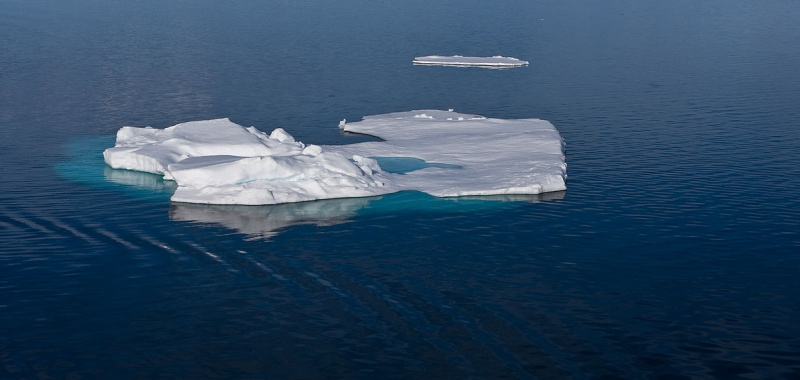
{"type": "Point", "coordinates": [673, 253]}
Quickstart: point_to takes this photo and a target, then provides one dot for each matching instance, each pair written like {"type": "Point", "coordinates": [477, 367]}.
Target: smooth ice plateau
{"type": "Point", "coordinates": [220, 162]}
{"type": "Point", "coordinates": [497, 61]}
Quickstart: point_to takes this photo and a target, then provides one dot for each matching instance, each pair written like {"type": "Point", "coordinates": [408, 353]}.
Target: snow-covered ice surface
{"type": "Point", "coordinates": [452, 154]}
{"type": "Point", "coordinates": [497, 61]}
{"type": "Point", "coordinates": [475, 155]}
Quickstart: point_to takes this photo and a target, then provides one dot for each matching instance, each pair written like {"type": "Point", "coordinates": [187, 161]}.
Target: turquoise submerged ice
{"type": "Point", "coordinates": [220, 162]}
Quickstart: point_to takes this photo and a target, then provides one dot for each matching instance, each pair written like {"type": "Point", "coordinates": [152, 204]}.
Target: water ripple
{"type": "Point", "coordinates": [672, 255]}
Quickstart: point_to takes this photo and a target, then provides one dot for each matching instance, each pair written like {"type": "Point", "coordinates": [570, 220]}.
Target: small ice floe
{"type": "Point", "coordinates": [497, 61]}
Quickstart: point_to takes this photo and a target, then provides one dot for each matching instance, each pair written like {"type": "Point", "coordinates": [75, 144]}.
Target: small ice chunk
{"type": "Point", "coordinates": [281, 135]}
{"type": "Point", "coordinates": [368, 165]}
{"type": "Point", "coordinates": [312, 150]}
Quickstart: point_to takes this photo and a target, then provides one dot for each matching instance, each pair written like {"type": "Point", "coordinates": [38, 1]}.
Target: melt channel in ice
{"type": "Point", "coordinates": [497, 61]}
{"type": "Point", "coordinates": [220, 162]}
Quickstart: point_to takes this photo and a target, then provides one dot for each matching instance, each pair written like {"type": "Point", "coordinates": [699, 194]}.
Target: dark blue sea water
{"type": "Point", "coordinates": [674, 252]}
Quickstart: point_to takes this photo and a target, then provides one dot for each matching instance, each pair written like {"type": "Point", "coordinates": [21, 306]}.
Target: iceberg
{"type": "Point", "coordinates": [442, 153]}
{"type": "Point", "coordinates": [497, 61]}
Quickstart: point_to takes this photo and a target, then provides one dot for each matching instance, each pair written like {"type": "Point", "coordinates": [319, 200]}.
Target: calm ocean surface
{"type": "Point", "coordinates": [674, 253]}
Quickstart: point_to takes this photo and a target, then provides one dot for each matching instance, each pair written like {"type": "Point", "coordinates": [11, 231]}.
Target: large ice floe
{"type": "Point", "coordinates": [497, 61]}
{"type": "Point", "coordinates": [442, 153]}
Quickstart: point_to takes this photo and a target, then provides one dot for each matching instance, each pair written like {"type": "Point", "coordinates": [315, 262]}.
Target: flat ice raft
{"type": "Point", "coordinates": [497, 61]}
{"type": "Point", "coordinates": [220, 162]}
{"type": "Point", "coordinates": [470, 154]}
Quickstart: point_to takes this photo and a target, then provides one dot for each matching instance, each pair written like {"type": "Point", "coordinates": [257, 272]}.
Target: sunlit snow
{"type": "Point", "coordinates": [442, 153]}
{"type": "Point", "coordinates": [475, 155]}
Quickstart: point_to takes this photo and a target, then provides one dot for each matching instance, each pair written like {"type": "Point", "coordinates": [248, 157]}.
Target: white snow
{"type": "Point", "coordinates": [152, 150]}
{"type": "Point", "coordinates": [497, 61]}
{"type": "Point", "coordinates": [492, 156]}
{"type": "Point", "coordinates": [220, 162]}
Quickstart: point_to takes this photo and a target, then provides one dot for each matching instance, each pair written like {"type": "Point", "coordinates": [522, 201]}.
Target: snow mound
{"type": "Point", "coordinates": [153, 150]}
{"type": "Point", "coordinates": [220, 162]}
{"type": "Point", "coordinates": [442, 153]}
{"type": "Point", "coordinates": [497, 61]}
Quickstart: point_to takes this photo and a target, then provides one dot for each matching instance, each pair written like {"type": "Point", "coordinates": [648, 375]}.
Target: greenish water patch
{"type": "Point", "coordinates": [414, 201]}
{"type": "Point", "coordinates": [86, 165]}
{"type": "Point", "coordinates": [402, 165]}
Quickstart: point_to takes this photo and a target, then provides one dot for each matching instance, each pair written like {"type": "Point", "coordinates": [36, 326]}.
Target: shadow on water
{"type": "Point", "coordinates": [265, 222]}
